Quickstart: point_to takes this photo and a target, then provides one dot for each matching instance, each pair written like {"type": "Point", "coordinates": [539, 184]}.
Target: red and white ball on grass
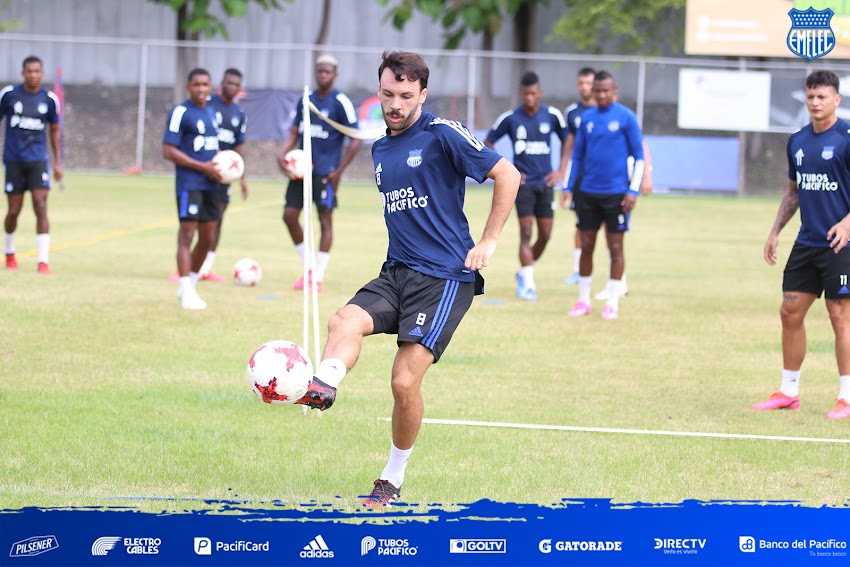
{"type": "Point", "coordinates": [247, 272]}
{"type": "Point", "coordinates": [296, 162]}
{"type": "Point", "coordinates": [230, 166]}
{"type": "Point", "coordinates": [280, 372]}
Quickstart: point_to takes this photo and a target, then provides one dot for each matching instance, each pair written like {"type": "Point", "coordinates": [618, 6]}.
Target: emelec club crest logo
{"type": "Point", "coordinates": [414, 158]}
{"type": "Point", "coordinates": [811, 35]}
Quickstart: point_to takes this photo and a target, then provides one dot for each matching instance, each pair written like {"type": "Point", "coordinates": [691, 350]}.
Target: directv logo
{"type": "Point", "coordinates": [478, 546]}
{"type": "Point", "coordinates": [317, 549]}
{"type": "Point", "coordinates": [104, 545]}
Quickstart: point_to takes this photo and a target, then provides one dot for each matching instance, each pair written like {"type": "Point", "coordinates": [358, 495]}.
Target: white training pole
{"type": "Point", "coordinates": [309, 241]}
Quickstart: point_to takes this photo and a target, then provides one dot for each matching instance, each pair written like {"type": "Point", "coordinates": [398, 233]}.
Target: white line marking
{"type": "Point", "coordinates": [625, 431]}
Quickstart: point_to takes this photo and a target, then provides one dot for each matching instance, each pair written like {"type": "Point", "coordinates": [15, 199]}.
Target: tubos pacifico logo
{"type": "Point", "coordinates": [811, 35]}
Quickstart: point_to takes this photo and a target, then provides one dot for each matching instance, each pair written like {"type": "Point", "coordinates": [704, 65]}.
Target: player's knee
{"type": "Point", "coordinates": [405, 387]}
{"type": "Point", "coordinates": [349, 321]}
{"type": "Point", "coordinates": [790, 314]}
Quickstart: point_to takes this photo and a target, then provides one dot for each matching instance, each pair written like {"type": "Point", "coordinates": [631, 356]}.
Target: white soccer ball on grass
{"type": "Point", "coordinates": [280, 372]}
{"type": "Point", "coordinates": [247, 272]}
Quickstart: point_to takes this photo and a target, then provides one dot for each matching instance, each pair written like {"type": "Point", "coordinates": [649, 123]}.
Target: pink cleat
{"type": "Point", "coordinates": [778, 400]}
{"type": "Point", "coordinates": [840, 411]}
{"type": "Point", "coordinates": [579, 309]}
{"type": "Point", "coordinates": [11, 262]}
{"type": "Point", "coordinates": [174, 277]}
{"type": "Point", "coordinates": [213, 277]}
{"type": "Point", "coordinates": [299, 284]}
{"type": "Point", "coordinates": [609, 313]}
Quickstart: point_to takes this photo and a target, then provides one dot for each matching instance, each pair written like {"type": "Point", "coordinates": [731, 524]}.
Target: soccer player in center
{"type": "Point", "coordinates": [530, 127]}
{"type": "Point", "coordinates": [328, 163]}
{"type": "Point", "coordinates": [30, 111]}
{"type": "Point", "coordinates": [432, 268]}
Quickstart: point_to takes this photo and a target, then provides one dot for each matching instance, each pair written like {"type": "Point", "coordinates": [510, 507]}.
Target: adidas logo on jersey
{"type": "Point", "coordinates": [417, 332]}
{"type": "Point", "coordinates": [316, 549]}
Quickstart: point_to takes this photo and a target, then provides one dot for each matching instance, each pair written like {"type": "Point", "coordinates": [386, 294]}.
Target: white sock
{"type": "Point", "coordinates": [331, 371]}
{"type": "Point", "coordinates": [396, 465]}
{"type": "Point", "coordinates": [206, 267]}
{"type": "Point", "coordinates": [614, 289]}
{"type": "Point", "coordinates": [844, 388]}
{"type": "Point", "coordinates": [576, 259]}
{"type": "Point", "coordinates": [322, 259]}
{"type": "Point", "coordinates": [625, 289]}
{"type": "Point", "coordinates": [300, 248]}
{"type": "Point", "coordinates": [790, 383]}
{"type": "Point", "coordinates": [584, 289]}
{"type": "Point", "coordinates": [185, 283]}
{"type": "Point", "coordinates": [527, 274]}
{"type": "Point", "coordinates": [42, 242]}
{"type": "Point", "coordinates": [193, 278]}
{"type": "Point", "coordinates": [10, 243]}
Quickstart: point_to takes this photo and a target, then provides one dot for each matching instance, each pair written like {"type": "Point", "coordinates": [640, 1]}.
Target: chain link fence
{"type": "Point", "coordinates": [118, 93]}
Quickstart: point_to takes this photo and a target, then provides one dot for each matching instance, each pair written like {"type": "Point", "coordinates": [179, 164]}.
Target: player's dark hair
{"type": "Point", "coordinates": [585, 71]}
{"type": "Point", "coordinates": [31, 59]}
{"type": "Point", "coordinates": [233, 71]}
{"type": "Point", "coordinates": [822, 78]}
{"type": "Point", "coordinates": [529, 78]}
{"type": "Point", "coordinates": [603, 76]}
{"type": "Point", "coordinates": [195, 72]}
{"type": "Point", "coordinates": [405, 64]}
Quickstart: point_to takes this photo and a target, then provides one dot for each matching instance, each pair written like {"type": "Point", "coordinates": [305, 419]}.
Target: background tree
{"type": "Point", "coordinates": [623, 26]}
{"type": "Point", "coordinates": [195, 19]}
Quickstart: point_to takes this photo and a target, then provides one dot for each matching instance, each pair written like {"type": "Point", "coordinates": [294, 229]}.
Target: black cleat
{"type": "Point", "coordinates": [319, 395]}
{"type": "Point", "coordinates": [383, 495]}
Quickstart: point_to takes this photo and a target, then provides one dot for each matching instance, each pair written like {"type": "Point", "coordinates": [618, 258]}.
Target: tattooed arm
{"type": "Point", "coordinates": [789, 205]}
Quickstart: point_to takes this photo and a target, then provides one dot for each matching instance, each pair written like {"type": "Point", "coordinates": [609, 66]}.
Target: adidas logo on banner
{"type": "Point", "coordinates": [417, 332]}
{"type": "Point", "coordinates": [316, 549]}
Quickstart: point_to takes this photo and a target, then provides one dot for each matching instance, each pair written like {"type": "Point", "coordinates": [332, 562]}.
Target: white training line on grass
{"type": "Point", "coordinates": [626, 431]}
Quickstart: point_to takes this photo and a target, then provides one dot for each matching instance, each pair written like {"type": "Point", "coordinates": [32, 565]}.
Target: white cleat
{"type": "Point", "coordinates": [604, 295]}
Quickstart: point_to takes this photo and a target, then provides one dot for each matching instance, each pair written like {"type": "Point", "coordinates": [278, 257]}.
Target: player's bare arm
{"type": "Point", "coordinates": [288, 144]}
{"type": "Point", "coordinates": [556, 178]}
{"type": "Point", "coordinates": [351, 150]}
{"type": "Point", "coordinates": [243, 183]}
{"type": "Point", "coordinates": [506, 179]}
{"type": "Point", "coordinates": [56, 141]}
{"type": "Point", "coordinates": [174, 155]}
{"type": "Point", "coordinates": [839, 234]}
{"type": "Point", "coordinates": [566, 199]}
{"type": "Point", "coordinates": [789, 205]}
{"type": "Point", "coordinates": [628, 203]}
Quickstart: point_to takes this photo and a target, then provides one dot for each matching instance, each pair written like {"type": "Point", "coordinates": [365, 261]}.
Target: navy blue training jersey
{"type": "Point", "coordinates": [421, 175]}
{"type": "Point", "coordinates": [573, 115]}
{"type": "Point", "coordinates": [28, 116]}
{"type": "Point", "coordinates": [604, 142]}
{"type": "Point", "coordinates": [195, 133]}
{"type": "Point", "coordinates": [231, 122]}
{"type": "Point", "coordinates": [327, 141]}
{"type": "Point", "coordinates": [820, 165]}
{"type": "Point", "coordinates": [531, 137]}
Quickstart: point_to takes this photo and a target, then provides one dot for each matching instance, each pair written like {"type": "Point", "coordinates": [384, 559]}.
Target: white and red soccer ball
{"type": "Point", "coordinates": [247, 272]}
{"type": "Point", "coordinates": [230, 165]}
{"type": "Point", "coordinates": [280, 372]}
{"type": "Point", "coordinates": [296, 162]}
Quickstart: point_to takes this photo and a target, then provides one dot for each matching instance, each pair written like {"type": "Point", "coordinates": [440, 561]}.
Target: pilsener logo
{"type": "Point", "coordinates": [477, 546]}
{"type": "Point", "coordinates": [35, 545]}
{"type": "Point", "coordinates": [747, 544]}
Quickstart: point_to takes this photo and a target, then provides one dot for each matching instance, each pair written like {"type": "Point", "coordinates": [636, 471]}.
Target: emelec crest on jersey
{"type": "Point", "coordinates": [42, 108]}
{"type": "Point", "coordinates": [614, 125]}
{"type": "Point", "coordinates": [544, 128]}
{"type": "Point", "coordinates": [414, 158]}
{"type": "Point", "coordinates": [811, 35]}
{"type": "Point", "coordinates": [827, 152]}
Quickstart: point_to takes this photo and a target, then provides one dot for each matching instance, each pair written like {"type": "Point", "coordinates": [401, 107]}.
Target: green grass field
{"type": "Point", "coordinates": [110, 392]}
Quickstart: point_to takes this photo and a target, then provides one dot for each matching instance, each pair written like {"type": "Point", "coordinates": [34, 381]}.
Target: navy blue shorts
{"type": "Point", "coordinates": [817, 270]}
{"type": "Point", "coordinates": [535, 200]}
{"type": "Point", "coordinates": [198, 206]}
{"type": "Point", "coordinates": [26, 175]}
{"type": "Point", "coordinates": [593, 209]}
{"type": "Point", "coordinates": [416, 307]}
{"type": "Point", "coordinates": [324, 195]}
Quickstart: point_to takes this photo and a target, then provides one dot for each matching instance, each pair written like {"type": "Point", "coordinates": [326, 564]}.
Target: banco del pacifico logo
{"type": "Point", "coordinates": [811, 35]}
